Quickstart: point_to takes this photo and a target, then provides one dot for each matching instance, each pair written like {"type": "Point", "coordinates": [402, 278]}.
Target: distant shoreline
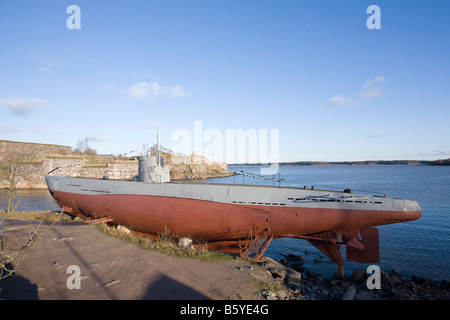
{"type": "Point", "coordinates": [445, 162]}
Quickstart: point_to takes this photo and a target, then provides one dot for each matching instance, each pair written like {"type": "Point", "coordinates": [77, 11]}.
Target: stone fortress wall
{"type": "Point", "coordinates": [36, 160]}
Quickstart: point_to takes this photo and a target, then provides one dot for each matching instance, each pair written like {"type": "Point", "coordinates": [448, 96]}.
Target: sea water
{"type": "Point", "coordinates": [420, 247]}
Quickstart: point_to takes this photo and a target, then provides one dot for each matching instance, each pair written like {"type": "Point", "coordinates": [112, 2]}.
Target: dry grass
{"type": "Point", "coordinates": [35, 215]}
{"type": "Point", "coordinates": [167, 244]}
{"type": "Point", "coordinates": [8, 255]}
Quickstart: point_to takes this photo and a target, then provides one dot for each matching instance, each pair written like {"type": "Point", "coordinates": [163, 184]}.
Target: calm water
{"type": "Point", "coordinates": [420, 247]}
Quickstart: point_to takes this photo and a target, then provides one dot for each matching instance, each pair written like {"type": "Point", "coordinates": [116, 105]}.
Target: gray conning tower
{"type": "Point", "coordinates": [153, 169]}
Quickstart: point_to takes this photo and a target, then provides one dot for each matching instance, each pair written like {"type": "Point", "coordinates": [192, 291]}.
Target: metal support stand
{"type": "Point", "coordinates": [340, 270]}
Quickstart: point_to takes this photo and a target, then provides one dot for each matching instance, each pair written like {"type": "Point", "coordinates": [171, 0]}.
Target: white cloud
{"type": "Point", "coordinates": [37, 131]}
{"type": "Point", "coordinates": [8, 129]}
{"type": "Point", "coordinates": [341, 101]}
{"type": "Point", "coordinates": [435, 153]}
{"type": "Point", "coordinates": [371, 93]}
{"type": "Point", "coordinates": [145, 90]}
{"type": "Point", "coordinates": [151, 125]}
{"type": "Point", "coordinates": [370, 90]}
{"type": "Point", "coordinates": [49, 66]}
{"type": "Point", "coordinates": [377, 79]}
{"type": "Point", "coordinates": [177, 92]}
{"type": "Point", "coordinates": [22, 107]}
{"type": "Point", "coordinates": [94, 138]}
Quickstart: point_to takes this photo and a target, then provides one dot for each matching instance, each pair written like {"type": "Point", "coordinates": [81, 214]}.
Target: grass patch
{"type": "Point", "coordinates": [167, 244]}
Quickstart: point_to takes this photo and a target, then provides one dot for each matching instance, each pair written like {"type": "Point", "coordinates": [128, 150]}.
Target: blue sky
{"type": "Point", "coordinates": [334, 89]}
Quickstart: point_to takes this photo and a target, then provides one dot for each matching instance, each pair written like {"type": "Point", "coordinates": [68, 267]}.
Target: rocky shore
{"type": "Point", "coordinates": [309, 285]}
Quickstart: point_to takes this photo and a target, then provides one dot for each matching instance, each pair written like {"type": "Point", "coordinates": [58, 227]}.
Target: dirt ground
{"type": "Point", "coordinates": [112, 269]}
